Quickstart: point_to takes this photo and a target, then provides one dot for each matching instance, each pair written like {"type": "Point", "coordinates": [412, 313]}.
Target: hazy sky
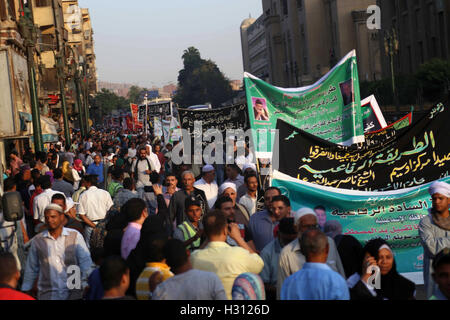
{"type": "Point", "coordinates": [142, 41]}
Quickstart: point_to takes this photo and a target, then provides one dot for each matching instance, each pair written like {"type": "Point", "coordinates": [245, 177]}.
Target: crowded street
{"type": "Point", "coordinates": [294, 182]}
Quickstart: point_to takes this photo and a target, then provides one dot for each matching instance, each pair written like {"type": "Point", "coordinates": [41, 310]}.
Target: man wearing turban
{"type": "Point", "coordinates": [434, 230]}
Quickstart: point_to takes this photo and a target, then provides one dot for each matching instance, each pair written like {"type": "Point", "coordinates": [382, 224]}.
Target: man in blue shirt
{"type": "Point", "coordinates": [271, 255]}
{"type": "Point", "coordinates": [316, 280]}
{"type": "Point", "coordinates": [262, 223]}
{"type": "Point", "coordinates": [96, 168]}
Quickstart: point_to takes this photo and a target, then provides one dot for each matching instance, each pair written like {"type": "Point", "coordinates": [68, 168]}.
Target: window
{"type": "Point", "coordinates": [3, 15]}
{"type": "Point", "coordinates": [42, 3]}
{"type": "Point", "coordinates": [300, 5]}
{"type": "Point", "coordinates": [284, 6]}
{"type": "Point", "coordinates": [11, 9]}
{"type": "Point", "coordinates": [421, 56]}
{"type": "Point", "coordinates": [403, 5]}
{"type": "Point", "coordinates": [442, 35]}
{"type": "Point", "coordinates": [410, 64]}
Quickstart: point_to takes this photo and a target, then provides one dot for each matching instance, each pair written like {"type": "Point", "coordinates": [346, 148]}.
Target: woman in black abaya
{"type": "Point", "coordinates": [393, 285]}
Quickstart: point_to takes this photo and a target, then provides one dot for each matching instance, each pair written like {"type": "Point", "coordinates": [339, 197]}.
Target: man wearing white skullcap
{"type": "Point", "coordinates": [51, 253]}
{"type": "Point", "coordinates": [434, 230]}
{"type": "Point", "coordinates": [301, 213]}
{"type": "Point", "coordinates": [208, 184]}
{"type": "Point", "coordinates": [292, 258]}
{"type": "Point", "coordinates": [227, 185]}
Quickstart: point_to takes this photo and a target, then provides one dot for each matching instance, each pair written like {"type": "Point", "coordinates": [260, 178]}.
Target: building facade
{"type": "Point", "coordinates": [15, 100]}
{"type": "Point", "coordinates": [306, 38]}
{"type": "Point", "coordinates": [423, 32]}
{"type": "Point", "coordinates": [254, 48]}
{"type": "Point", "coordinates": [35, 67]}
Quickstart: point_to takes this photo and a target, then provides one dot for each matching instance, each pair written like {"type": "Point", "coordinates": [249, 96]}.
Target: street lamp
{"type": "Point", "coordinates": [29, 32]}
{"type": "Point", "coordinates": [59, 64]}
{"type": "Point", "coordinates": [76, 74]}
{"type": "Point", "coordinates": [391, 47]}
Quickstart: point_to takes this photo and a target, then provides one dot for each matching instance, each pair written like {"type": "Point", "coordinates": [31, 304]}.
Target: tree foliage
{"type": "Point", "coordinates": [107, 101]}
{"type": "Point", "coordinates": [201, 81]}
{"type": "Point", "coordinates": [133, 94]}
{"type": "Point", "coordinates": [434, 78]}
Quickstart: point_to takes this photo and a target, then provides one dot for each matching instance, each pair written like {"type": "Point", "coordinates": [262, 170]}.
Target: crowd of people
{"type": "Point", "coordinates": [112, 217]}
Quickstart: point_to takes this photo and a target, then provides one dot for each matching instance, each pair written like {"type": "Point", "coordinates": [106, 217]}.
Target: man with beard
{"type": "Point", "coordinates": [292, 258]}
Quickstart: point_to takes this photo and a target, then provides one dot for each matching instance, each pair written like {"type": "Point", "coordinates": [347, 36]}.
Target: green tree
{"type": "Point", "coordinates": [201, 81]}
{"type": "Point", "coordinates": [434, 78]}
{"type": "Point", "coordinates": [134, 94]}
{"type": "Point", "coordinates": [107, 101]}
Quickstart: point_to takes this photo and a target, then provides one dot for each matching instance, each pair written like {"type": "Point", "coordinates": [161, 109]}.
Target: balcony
{"type": "Point", "coordinates": [43, 16]}
{"type": "Point", "coordinates": [48, 59]}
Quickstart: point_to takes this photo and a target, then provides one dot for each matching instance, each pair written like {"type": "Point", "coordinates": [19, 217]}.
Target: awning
{"type": "Point", "coordinates": [49, 129]}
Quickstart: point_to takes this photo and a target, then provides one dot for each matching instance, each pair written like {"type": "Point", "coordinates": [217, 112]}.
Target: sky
{"type": "Point", "coordinates": [141, 41]}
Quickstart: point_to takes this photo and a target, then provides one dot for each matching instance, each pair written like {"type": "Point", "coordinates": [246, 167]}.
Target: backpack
{"type": "Point", "coordinates": [136, 167]}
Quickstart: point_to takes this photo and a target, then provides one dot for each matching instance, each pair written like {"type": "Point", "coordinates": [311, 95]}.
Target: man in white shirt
{"type": "Point", "coordinates": [132, 151]}
{"type": "Point", "coordinates": [44, 199]}
{"type": "Point", "coordinates": [51, 255]}
{"type": "Point", "coordinates": [94, 204]}
{"type": "Point", "coordinates": [141, 169]}
{"type": "Point", "coordinates": [153, 158]}
{"type": "Point", "coordinates": [292, 259]}
{"type": "Point", "coordinates": [208, 184]}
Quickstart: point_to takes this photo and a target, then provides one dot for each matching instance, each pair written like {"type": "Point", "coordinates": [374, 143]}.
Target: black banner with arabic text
{"type": "Point", "coordinates": [390, 160]}
{"type": "Point", "coordinates": [223, 119]}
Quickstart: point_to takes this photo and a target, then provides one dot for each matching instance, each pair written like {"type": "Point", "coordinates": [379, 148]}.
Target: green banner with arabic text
{"type": "Point", "coordinates": [329, 109]}
{"type": "Point", "coordinates": [391, 215]}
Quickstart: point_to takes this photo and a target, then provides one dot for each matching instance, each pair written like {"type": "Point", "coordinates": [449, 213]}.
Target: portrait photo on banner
{"type": "Point", "coordinates": [260, 111]}
{"type": "Point", "coordinates": [347, 92]}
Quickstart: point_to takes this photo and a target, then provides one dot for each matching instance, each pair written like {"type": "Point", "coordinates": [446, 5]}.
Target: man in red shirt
{"type": "Point", "coordinates": [9, 277]}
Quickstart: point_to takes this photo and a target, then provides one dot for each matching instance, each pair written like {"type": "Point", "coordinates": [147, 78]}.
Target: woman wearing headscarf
{"type": "Point", "coordinates": [392, 285]}
{"type": "Point", "coordinates": [78, 166]}
{"type": "Point", "coordinates": [248, 286]}
{"type": "Point", "coordinates": [70, 175]}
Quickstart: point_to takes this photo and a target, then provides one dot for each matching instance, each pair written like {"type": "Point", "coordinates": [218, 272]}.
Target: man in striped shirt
{"type": "Point", "coordinates": [156, 262]}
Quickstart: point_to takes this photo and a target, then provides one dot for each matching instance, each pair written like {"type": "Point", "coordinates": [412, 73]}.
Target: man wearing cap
{"type": "Point", "coordinates": [434, 230]}
{"type": "Point", "coordinates": [51, 254]}
{"type": "Point", "coordinates": [177, 202]}
{"type": "Point", "coordinates": [208, 184]}
{"type": "Point", "coordinates": [292, 258]}
{"type": "Point", "coordinates": [70, 212]}
{"type": "Point", "coordinates": [191, 230]}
